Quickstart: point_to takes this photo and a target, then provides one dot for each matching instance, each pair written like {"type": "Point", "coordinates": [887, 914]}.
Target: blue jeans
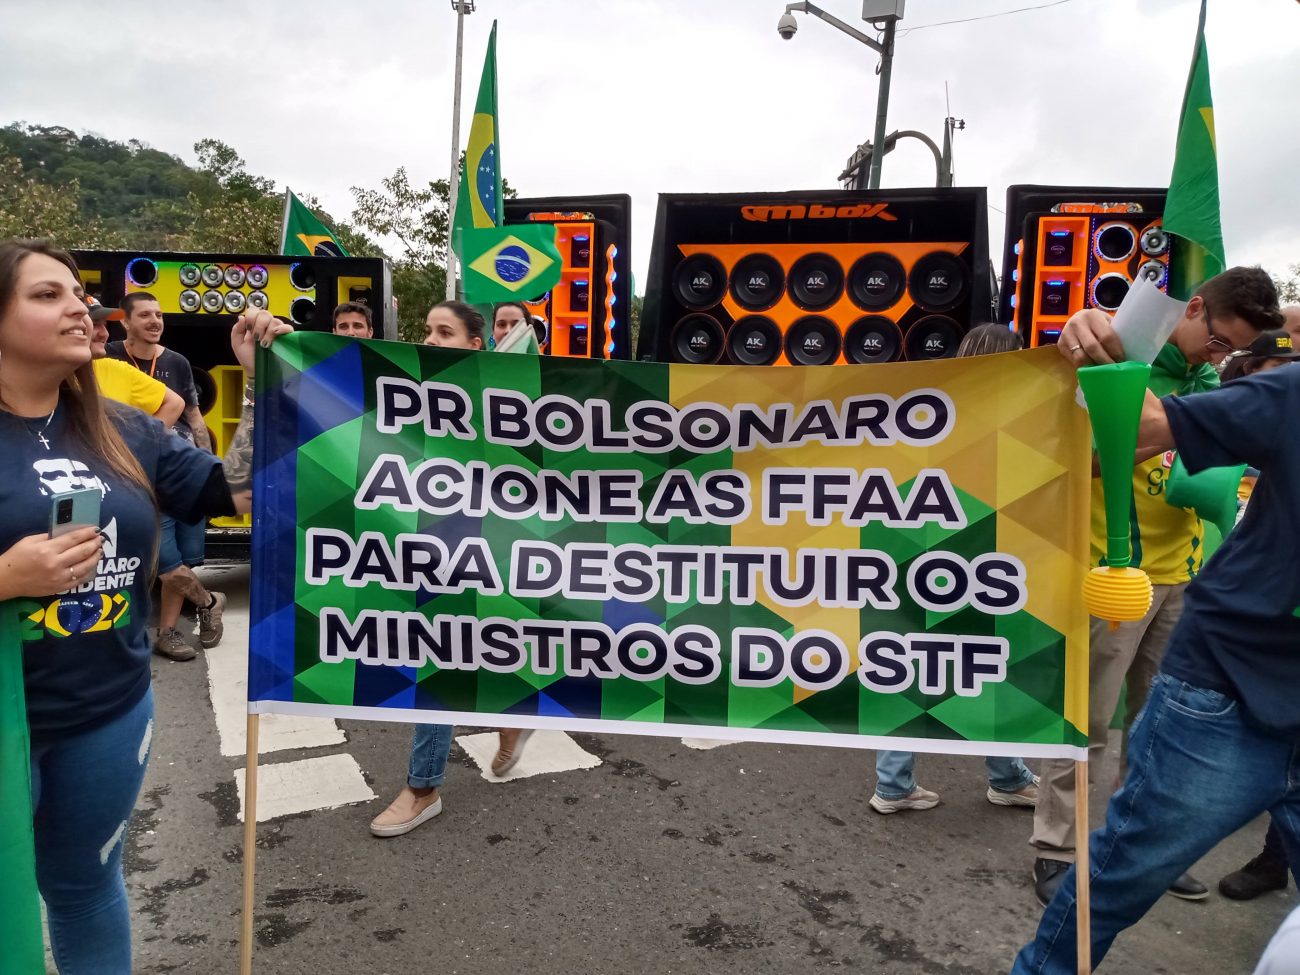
{"type": "Point", "coordinates": [894, 778]}
{"type": "Point", "coordinates": [1196, 774]}
{"type": "Point", "coordinates": [180, 544]}
{"type": "Point", "coordinates": [83, 791]}
{"type": "Point", "coordinates": [430, 747]}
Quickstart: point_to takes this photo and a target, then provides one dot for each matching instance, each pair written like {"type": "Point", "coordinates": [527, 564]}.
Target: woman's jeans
{"type": "Point", "coordinates": [894, 778]}
{"type": "Point", "coordinates": [430, 747]}
{"type": "Point", "coordinates": [1197, 773]}
{"type": "Point", "coordinates": [83, 791]}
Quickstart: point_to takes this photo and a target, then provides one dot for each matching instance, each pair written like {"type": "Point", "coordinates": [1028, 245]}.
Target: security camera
{"type": "Point", "coordinates": [787, 26]}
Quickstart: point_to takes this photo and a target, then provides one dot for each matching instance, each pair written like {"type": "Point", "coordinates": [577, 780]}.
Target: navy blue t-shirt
{"type": "Point", "coordinates": [172, 370]}
{"type": "Point", "coordinates": [86, 652]}
{"type": "Point", "coordinates": [1240, 629]}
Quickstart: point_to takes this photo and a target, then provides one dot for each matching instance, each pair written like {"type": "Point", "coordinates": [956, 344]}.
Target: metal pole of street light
{"type": "Point", "coordinates": [882, 103]}
{"type": "Point", "coordinates": [453, 184]}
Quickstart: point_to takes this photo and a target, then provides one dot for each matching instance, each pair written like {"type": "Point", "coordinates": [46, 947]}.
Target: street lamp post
{"type": "Point", "coordinates": [886, 12]}
{"type": "Point", "coordinates": [462, 7]}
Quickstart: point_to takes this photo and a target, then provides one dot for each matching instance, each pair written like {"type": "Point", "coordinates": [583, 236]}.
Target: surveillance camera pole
{"type": "Point", "coordinates": [885, 48]}
{"type": "Point", "coordinates": [462, 7]}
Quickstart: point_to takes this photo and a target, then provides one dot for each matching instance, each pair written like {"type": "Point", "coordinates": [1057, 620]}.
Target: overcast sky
{"type": "Point", "coordinates": [649, 96]}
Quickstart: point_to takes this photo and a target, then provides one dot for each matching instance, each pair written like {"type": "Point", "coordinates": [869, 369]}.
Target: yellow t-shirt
{"type": "Point", "coordinates": [123, 382]}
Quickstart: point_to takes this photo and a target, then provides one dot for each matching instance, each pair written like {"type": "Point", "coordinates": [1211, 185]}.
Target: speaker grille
{"type": "Point", "coordinates": [816, 281]}
{"type": "Point", "coordinates": [700, 281]}
{"type": "Point", "coordinates": [757, 282]}
{"type": "Point", "coordinates": [932, 337]}
{"type": "Point", "coordinates": [813, 341]}
{"type": "Point", "coordinates": [871, 339]}
{"type": "Point", "coordinates": [938, 282]}
{"type": "Point", "coordinates": [755, 340]}
{"type": "Point", "coordinates": [697, 339]}
{"type": "Point", "coordinates": [877, 281]}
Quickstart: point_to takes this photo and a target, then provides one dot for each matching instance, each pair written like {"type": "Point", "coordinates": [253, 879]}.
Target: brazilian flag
{"type": "Point", "coordinates": [478, 198]}
{"type": "Point", "coordinates": [20, 906]}
{"type": "Point", "coordinates": [512, 263]}
{"type": "Point", "coordinates": [303, 235]}
{"type": "Point", "coordinates": [1192, 207]}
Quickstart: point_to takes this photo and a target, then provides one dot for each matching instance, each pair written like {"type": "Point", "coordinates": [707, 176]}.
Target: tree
{"type": "Point", "coordinates": [1288, 289]}
{"type": "Point", "coordinates": [30, 207]}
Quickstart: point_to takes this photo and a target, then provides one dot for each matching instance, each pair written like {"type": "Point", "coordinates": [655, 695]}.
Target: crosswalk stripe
{"type": "Point", "coordinates": [311, 783]}
{"type": "Point", "coordinates": [545, 753]}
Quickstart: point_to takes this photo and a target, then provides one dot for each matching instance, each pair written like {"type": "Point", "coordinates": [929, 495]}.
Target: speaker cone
{"type": "Point", "coordinates": [302, 277]}
{"type": "Point", "coordinates": [938, 282]}
{"type": "Point", "coordinates": [234, 275]}
{"type": "Point", "coordinates": [813, 341]}
{"type": "Point", "coordinates": [1154, 271]}
{"type": "Point", "coordinates": [872, 338]}
{"type": "Point", "coordinates": [1108, 291]}
{"type": "Point", "coordinates": [1155, 242]}
{"type": "Point", "coordinates": [212, 275]}
{"type": "Point", "coordinates": [235, 302]}
{"type": "Point", "coordinates": [1114, 241]}
{"type": "Point", "coordinates": [755, 340]}
{"type": "Point", "coordinates": [757, 282]}
{"type": "Point", "coordinates": [932, 337]}
{"type": "Point", "coordinates": [876, 281]}
{"type": "Point", "coordinates": [257, 299]}
{"type": "Point", "coordinates": [213, 302]}
{"type": "Point", "coordinates": [142, 271]}
{"type": "Point", "coordinates": [697, 339]}
{"type": "Point", "coordinates": [189, 301]}
{"type": "Point", "coordinates": [257, 276]}
{"type": "Point", "coordinates": [700, 281]}
{"type": "Point", "coordinates": [189, 275]}
{"type": "Point", "coordinates": [816, 282]}
{"type": "Point", "coordinates": [301, 311]}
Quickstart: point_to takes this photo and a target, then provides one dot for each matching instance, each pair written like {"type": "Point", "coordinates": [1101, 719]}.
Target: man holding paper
{"type": "Point", "coordinates": [1216, 743]}
{"type": "Point", "coordinates": [1224, 316]}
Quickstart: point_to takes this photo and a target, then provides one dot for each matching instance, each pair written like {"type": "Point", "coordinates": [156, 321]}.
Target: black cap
{"type": "Point", "coordinates": [1274, 344]}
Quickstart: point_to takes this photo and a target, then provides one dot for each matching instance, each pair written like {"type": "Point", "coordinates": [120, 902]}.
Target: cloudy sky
{"type": "Point", "coordinates": [649, 96]}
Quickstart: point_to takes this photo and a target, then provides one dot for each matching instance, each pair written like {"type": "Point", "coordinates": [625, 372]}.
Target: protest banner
{"type": "Point", "coordinates": [865, 556]}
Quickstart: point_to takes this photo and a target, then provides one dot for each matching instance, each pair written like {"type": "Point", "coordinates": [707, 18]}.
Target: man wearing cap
{"type": "Point", "coordinates": [119, 381]}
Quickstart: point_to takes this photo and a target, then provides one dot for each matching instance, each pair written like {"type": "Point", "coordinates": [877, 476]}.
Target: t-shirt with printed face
{"type": "Point", "coordinates": [1240, 629]}
{"type": "Point", "coordinates": [172, 370]}
{"type": "Point", "coordinates": [86, 651]}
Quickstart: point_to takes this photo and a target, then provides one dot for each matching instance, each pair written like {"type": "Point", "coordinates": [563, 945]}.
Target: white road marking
{"type": "Point", "coordinates": [312, 783]}
{"type": "Point", "coordinates": [705, 744]}
{"type": "Point", "coordinates": [545, 753]}
{"type": "Point", "coordinates": [228, 687]}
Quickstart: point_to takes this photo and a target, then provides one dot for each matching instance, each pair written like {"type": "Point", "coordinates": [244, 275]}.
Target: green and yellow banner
{"type": "Point", "coordinates": [873, 556]}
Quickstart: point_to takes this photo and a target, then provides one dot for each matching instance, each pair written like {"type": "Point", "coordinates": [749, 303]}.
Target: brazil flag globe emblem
{"type": "Point", "coordinates": [512, 263]}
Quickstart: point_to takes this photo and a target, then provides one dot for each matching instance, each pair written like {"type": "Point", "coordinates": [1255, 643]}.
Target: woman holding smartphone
{"type": "Point", "coordinates": [82, 596]}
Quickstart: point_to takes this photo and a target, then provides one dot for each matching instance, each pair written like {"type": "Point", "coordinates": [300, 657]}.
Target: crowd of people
{"type": "Point", "coordinates": [1208, 677]}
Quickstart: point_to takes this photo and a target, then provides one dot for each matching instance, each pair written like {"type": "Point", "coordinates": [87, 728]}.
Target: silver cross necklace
{"type": "Point", "coordinates": [40, 434]}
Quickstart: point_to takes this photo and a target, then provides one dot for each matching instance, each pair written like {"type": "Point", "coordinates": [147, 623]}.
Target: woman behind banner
{"type": "Point", "coordinates": [82, 596]}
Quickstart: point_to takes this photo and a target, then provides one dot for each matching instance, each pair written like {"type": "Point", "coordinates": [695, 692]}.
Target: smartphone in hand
{"type": "Point", "coordinates": [74, 509]}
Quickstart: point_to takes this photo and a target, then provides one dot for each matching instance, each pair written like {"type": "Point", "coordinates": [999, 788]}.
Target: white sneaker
{"type": "Point", "coordinates": [1028, 796]}
{"type": "Point", "coordinates": [919, 799]}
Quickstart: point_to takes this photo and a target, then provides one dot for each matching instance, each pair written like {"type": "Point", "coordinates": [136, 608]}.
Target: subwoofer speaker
{"type": "Point", "coordinates": [872, 339]}
{"type": "Point", "coordinates": [757, 282]}
{"type": "Point", "coordinates": [813, 341]}
{"type": "Point", "coordinates": [938, 282]}
{"type": "Point", "coordinates": [697, 339]}
{"type": "Point", "coordinates": [932, 337]}
{"type": "Point", "coordinates": [1108, 291]}
{"type": "Point", "coordinates": [877, 281]}
{"type": "Point", "coordinates": [700, 281]}
{"type": "Point", "coordinates": [1114, 241]}
{"type": "Point", "coordinates": [816, 281]}
{"type": "Point", "coordinates": [754, 340]}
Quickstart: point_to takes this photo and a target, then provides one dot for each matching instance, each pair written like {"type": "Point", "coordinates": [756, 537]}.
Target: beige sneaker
{"type": "Point", "coordinates": [510, 745]}
{"type": "Point", "coordinates": [1028, 796]}
{"type": "Point", "coordinates": [210, 628]}
{"type": "Point", "coordinates": [919, 799]}
{"type": "Point", "coordinates": [172, 645]}
{"type": "Point", "coordinates": [406, 812]}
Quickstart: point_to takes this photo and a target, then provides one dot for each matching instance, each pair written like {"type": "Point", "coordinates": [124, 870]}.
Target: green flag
{"type": "Point", "coordinates": [513, 263]}
{"type": "Point", "coordinates": [20, 905]}
{"type": "Point", "coordinates": [478, 198]}
{"type": "Point", "coordinates": [303, 235]}
{"type": "Point", "coordinates": [1192, 209]}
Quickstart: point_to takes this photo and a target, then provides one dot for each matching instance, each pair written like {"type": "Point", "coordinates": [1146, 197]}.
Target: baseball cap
{"type": "Point", "coordinates": [102, 313]}
{"type": "Point", "coordinates": [1273, 344]}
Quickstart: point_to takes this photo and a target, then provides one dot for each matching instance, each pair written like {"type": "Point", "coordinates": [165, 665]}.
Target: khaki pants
{"type": "Point", "coordinates": [1128, 655]}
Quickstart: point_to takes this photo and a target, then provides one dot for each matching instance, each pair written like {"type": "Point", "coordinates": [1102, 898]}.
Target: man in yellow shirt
{"type": "Point", "coordinates": [1227, 313]}
{"type": "Point", "coordinates": [121, 382]}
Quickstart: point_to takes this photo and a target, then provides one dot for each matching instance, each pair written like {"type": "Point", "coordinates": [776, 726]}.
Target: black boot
{"type": "Point", "coordinates": [1259, 876]}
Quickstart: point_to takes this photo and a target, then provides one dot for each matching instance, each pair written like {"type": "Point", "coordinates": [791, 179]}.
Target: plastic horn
{"type": "Point", "coordinates": [1116, 592]}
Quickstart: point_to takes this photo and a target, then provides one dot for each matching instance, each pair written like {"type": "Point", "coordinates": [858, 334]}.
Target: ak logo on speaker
{"type": "Point", "coordinates": [798, 211]}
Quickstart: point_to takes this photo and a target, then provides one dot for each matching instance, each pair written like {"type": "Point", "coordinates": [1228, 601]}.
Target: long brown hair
{"type": "Point", "coordinates": [87, 422]}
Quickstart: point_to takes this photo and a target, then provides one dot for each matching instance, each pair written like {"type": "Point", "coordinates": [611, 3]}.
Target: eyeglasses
{"type": "Point", "coordinates": [1218, 342]}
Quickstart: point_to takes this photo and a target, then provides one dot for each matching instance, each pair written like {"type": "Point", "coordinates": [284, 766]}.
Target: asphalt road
{"type": "Point", "coordinates": [748, 858]}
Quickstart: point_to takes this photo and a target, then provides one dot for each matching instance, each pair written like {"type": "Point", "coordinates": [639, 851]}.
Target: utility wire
{"type": "Point", "coordinates": [967, 20]}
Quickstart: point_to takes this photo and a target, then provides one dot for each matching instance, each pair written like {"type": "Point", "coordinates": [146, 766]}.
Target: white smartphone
{"type": "Point", "coordinates": [74, 509]}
